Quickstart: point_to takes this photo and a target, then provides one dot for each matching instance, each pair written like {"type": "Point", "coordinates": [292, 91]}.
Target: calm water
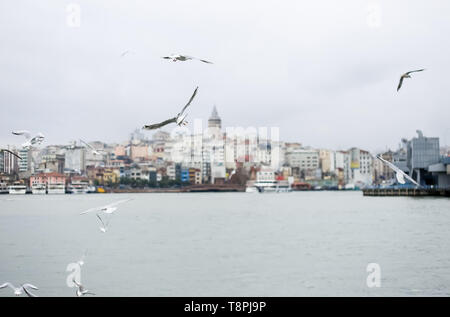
{"type": "Point", "coordinates": [229, 244]}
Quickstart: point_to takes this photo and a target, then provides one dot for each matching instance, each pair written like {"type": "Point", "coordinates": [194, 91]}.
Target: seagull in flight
{"type": "Point", "coordinates": [126, 53]}
{"type": "Point", "coordinates": [183, 58]}
{"type": "Point", "coordinates": [399, 174]}
{"type": "Point", "coordinates": [10, 152]}
{"type": "Point", "coordinates": [179, 119]}
{"type": "Point", "coordinates": [81, 291]}
{"type": "Point", "coordinates": [407, 75]}
{"type": "Point", "coordinates": [94, 150]}
{"type": "Point", "coordinates": [108, 209]}
{"type": "Point", "coordinates": [30, 141]}
{"type": "Point", "coordinates": [38, 139]}
{"type": "Point", "coordinates": [19, 290]}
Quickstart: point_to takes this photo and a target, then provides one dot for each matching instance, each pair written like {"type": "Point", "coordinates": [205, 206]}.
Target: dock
{"type": "Point", "coordinates": [411, 192]}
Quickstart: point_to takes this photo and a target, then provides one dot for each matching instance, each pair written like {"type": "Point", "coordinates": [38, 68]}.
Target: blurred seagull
{"type": "Point", "coordinates": [399, 174]}
{"type": "Point", "coordinates": [126, 53]}
{"type": "Point", "coordinates": [108, 209]}
{"type": "Point", "coordinates": [81, 291]}
{"type": "Point", "coordinates": [10, 152]}
{"type": "Point", "coordinates": [179, 119]}
{"type": "Point", "coordinates": [30, 140]}
{"type": "Point", "coordinates": [19, 290]}
{"type": "Point", "coordinates": [94, 150]}
{"type": "Point", "coordinates": [407, 75]}
{"type": "Point", "coordinates": [183, 58]}
{"type": "Point", "coordinates": [104, 226]}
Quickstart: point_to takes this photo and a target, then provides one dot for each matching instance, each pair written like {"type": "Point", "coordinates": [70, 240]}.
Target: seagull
{"type": "Point", "coordinates": [179, 119]}
{"type": "Point", "coordinates": [183, 58]}
{"type": "Point", "coordinates": [406, 75]}
{"type": "Point", "coordinates": [104, 226]}
{"type": "Point", "coordinates": [81, 291]}
{"type": "Point", "coordinates": [19, 290]}
{"type": "Point", "coordinates": [94, 150]}
{"type": "Point", "coordinates": [125, 53]}
{"type": "Point", "coordinates": [108, 209]}
{"type": "Point", "coordinates": [30, 140]}
{"type": "Point", "coordinates": [399, 174]}
{"type": "Point", "coordinates": [10, 152]}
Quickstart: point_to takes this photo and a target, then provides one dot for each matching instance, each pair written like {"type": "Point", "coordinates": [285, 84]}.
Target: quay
{"type": "Point", "coordinates": [412, 192]}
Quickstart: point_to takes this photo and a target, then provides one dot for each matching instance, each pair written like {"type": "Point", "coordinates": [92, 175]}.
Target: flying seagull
{"type": "Point", "coordinates": [179, 119]}
{"type": "Point", "coordinates": [19, 290]}
{"type": "Point", "coordinates": [10, 152]}
{"type": "Point", "coordinates": [125, 53]}
{"type": "Point", "coordinates": [30, 140]}
{"type": "Point", "coordinates": [183, 58]}
{"type": "Point", "coordinates": [108, 209]}
{"type": "Point", "coordinates": [94, 150]}
{"type": "Point", "coordinates": [399, 174]}
{"type": "Point", "coordinates": [81, 291]}
{"type": "Point", "coordinates": [406, 75]}
{"type": "Point", "coordinates": [104, 226]}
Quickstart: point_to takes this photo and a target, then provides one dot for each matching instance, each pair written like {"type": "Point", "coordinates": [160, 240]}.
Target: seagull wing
{"type": "Point", "coordinates": [116, 203]}
{"type": "Point", "coordinates": [410, 178]}
{"type": "Point", "coordinates": [30, 286]}
{"type": "Point", "coordinates": [29, 293]}
{"type": "Point", "coordinates": [400, 83]}
{"type": "Point", "coordinates": [87, 144]}
{"type": "Point", "coordinates": [4, 150]}
{"type": "Point", "coordinates": [159, 125]}
{"type": "Point", "coordinates": [7, 284]}
{"type": "Point", "coordinates": [415, 71]}
{"type": "Point", "coordinates": [91, 210]}
{"type": "Point", "coordinates": [189, 102]}
{"type": "Point", "coordinates": [25, 133]}
{"type": "Point", "coordinates": [205, 61]}
{"type": "Point", "coordinates": [101, 220]}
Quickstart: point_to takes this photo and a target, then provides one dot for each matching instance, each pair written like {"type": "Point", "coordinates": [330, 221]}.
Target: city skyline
{"type": "Point", "coordinates": [333, 72]}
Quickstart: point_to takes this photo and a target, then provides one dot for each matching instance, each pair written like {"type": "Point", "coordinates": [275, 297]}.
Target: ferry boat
{"type": "Point", "coordinates": [75, 188]}
{"type": "Point", "coordinates": [268, 186]}
{"type": "Point", "coordinates": [39, 189]}
{"type": "Point", "coordinates": [56, 188]}
{"type": "Point", "coordinates": [17, 189]}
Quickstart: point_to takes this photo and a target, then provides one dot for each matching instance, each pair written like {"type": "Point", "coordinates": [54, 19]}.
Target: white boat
{"type": "Point", "coordinates": [251, 189]}
{"type": "Point", "coordinates": [56, 188]}
{"type": "Point", "coordinates": [79, 186]}
{"type": "Point", "coordinates": [17, 189]}
{"type": "Point", "coordinates": [4, 188]}
{"type": "Point", "coordinates": [268, 186]}
{"type": "Point", "coordinates": [39, 189]}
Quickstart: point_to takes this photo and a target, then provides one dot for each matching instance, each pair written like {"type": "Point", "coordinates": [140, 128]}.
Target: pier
{"type": "Point", "coordinates": [413, 192]}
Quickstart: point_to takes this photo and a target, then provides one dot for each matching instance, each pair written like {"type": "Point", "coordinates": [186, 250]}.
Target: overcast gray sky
{"type": "Point", "coordinates": [324, 72]}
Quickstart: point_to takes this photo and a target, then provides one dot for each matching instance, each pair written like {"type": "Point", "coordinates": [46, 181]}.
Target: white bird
{"type": "Point", "coordinates": [94, 150]}
{"type": "Point", "coordinates": [108, 209]}
{"type": "Point", "coordinates": [10, 152]}
{"type": "Point", "coordinates": [183, 58]}
{"type": "Point", "coordinates": [81, 291]}
{"type": "Point", "coordinates": [399, 174]}
{"type": "Point", "coordinates": [179, 119]}
{"type": "Point", "coordinates": [19, 290]}
{"type": "Point", "coordinates": [36, 140]}
{"type": "Point", "coordinates": [104, 226]}
{"type": "Point", "coordinates": [407, 75]}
